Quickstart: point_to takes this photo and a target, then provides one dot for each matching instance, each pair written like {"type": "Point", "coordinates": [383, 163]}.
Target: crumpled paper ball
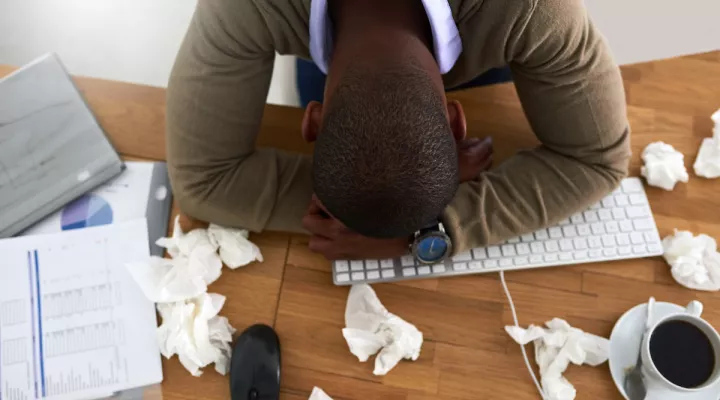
{"type": "Point", "coordinates": [707, 163]}
{"type": "Point", "coordinates": [371, 328]}
{"type": "Point", "coordinates": [664, 166]}
{"type": "Point", "coordinates": [694, 260]}
{"type": "Point", "coordinates": [319, 394]}
{"type": "Point", "coordinates": [556, 347]}
{"type": "Point", "coordinates": [194, 331]}
{"type": "Point", "coordinates": [195, 262]}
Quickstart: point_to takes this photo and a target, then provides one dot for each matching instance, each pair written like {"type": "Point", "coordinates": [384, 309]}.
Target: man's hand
{"type": "Point", "coordinates": [475, 156]}
{"type": "Point", "coordinates": [335, 241]}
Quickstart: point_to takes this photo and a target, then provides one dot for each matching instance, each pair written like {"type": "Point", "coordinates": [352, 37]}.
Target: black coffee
{"type": "Point", "coordinates": [682, 353]}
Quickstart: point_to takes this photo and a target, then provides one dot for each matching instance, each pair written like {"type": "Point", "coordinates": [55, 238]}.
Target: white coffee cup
{"type": "Point", "coordinates": [658, 387]}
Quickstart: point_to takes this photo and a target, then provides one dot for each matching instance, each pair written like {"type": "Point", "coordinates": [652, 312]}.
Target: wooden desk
{"type": "Point", "coordinates": [467, 354]}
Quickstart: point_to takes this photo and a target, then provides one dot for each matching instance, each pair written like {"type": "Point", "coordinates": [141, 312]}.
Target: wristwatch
{"type": "Point", "coordinates": [431, 245]}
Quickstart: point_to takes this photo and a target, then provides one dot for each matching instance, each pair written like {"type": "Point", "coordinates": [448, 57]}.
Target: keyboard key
{"type": "Point", "coordinates": [632, 185]}
{"type": "Point", "coordinates": [409, 271]}
{"type": "Point", "coordinates": [639, 249]}
{"type": "Point", "coordinates": [617, 191]}
{"type": "Point", "coordinates": [552, 246]}
{"type": "Point", "coordinates": [608, 241]}
{"type": "Point", "coordinates": [464, 256]}
{"type": "Point", "coordinates": [566, 221]}
{"type": "Point", "coordinates": [591, 216]}
{"type": "Point", "coordinates": [610, 252]}
{"type": "Point", "coordinates": [623, 239]}
{"type": "Point", "coordinates": [650, 237]}
{"type": "Point", "coordinates": [555, 232]}
{"type": "Point", "coordinates": [596, 206]}
{"type": "Point", "coordinates": [522, 248]}
{"type": "Point", "coordinates": [520, 261]}
{"type": "Point", "coordinates": [612, 227]}
{"type": "Point", "coordinates": [407, 261]}
{"type": "Point", "coordinates": [583, 230]}
{"type": "Point", "coordinates": [479, 253]}
{"type": "Point", "coordinates": [551, 257]}
{"type": "Point", "coordinates": [577, 219]}
{"type": "Point", "coordinates": [373, 275]}
{"type": "Point", "coordinates": [536, 259]}
{"type": "Point", "coordinates": [356, 265]}
{"type": "Point", "coordinates": [644, 224]}
{"type": "Point", "coordinates": [569, 231]}
{"type": "Point", "coordinates": [424, 270]}
{"type": "Point", "coordinates": [342, 277]}
{"type": "Point", "coordinates": [372, 264]}
{"type": "Point", "coordinates": [624, 250]}
{"type": "Point", "coordinates": [438, 268]}
{"type": "Point", "coordinates": [341, 266]}
{"type": "Point", "coordinates": [581, 255]}
{"type": "Point", "coordinates": [594, 242]}
{"type": "Point", "coordinates": [637, 238]}
{"type": "Point", "coordinates": [475, 265]}
{"type": "Point", "coordinates": [580, 243]}
{"type": "Point", "coordinates": [566, 256]}
{"type": "Point", "coordinates": [358, 276]}
{"type": "Point", "coordinates": [527, 238]}
{"type": "Point", "coordinates": [542, 234]}
{"type": "Point", "coordinates": [494, 252]}
{"type": "Point", "coordinates": [608, 202]}
{"type": "Point", "coordinates": [537, 247]}
{"type": "Point", "coordinates": [387, 263]}
{"type": "Point", "coordinates": [514, 240]}
{"type": "Point", "coordinates": [505, 262]}
{"type": "Point", "coordinates": [618, 213]}
{"type": "Point", "coordinates": [460, 266]}
{"type": "Point", "coordinates": [626, 226]}
{"type": "Point", "coordinates": [637, 199]}
{"type": "Point", "coordinates": [654, 248]}
{"type": "Point", "coordinates": [598, 228]}
{"type": "Point", "coordinates": [597, 253]}
{"type": "Point", "coordinates": [566, 244]}
{"type": "Point", "coordinates": [622, 200]}
{"type": "Point", "coordinates": [605, 215]}
{"type": "Point", "coordinates": [508, 250]}
{"type": "Point", "coordinates": [490, 263]}
{"type": "Point", "coordinates": [388, 273]}
{"type": "Point", "coordinates": [636, 212]}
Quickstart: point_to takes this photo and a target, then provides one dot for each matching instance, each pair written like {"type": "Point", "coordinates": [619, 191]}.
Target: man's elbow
{"type": "Point", "coordinates": [614, 161]}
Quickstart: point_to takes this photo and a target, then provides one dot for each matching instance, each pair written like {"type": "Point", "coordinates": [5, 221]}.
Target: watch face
{"type": "Point", "coordinates": [431, 249]}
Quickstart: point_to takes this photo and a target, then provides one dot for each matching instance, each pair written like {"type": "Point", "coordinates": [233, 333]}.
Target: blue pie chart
{"type": "Point", "coordinates": [88, 210]}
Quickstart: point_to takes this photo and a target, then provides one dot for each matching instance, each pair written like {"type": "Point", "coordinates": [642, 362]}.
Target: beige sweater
{"type": "Point", "coordinates": [569, 85]}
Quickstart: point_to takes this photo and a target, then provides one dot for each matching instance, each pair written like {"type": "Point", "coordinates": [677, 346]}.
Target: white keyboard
{"type": "Point", "coordinates": [619, 227]}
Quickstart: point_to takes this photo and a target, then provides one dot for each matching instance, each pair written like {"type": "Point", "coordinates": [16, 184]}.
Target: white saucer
{"type": "Point", "coordinates": [625, 346]}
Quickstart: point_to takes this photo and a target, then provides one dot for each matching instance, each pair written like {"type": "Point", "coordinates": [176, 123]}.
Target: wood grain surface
{"type": "Point", "coordinates": [466, 354]}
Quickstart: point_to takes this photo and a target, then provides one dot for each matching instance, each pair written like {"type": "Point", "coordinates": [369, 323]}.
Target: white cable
{"type": "Point", "coordinates": [522, 348]}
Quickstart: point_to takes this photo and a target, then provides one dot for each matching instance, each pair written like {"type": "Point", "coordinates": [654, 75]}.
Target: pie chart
{"type": "Point", "coordinates": [88, 210]}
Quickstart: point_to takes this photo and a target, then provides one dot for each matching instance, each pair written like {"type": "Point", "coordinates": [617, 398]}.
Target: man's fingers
{"type": "Point", "coordinates": [317, 225]}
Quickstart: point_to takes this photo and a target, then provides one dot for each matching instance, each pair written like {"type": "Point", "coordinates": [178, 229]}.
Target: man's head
{"type": "Point", "coordinates": [385, 160]}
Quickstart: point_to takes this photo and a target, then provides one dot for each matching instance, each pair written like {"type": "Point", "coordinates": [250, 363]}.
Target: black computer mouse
{"type": "Point", "coordinates": [255, 365]}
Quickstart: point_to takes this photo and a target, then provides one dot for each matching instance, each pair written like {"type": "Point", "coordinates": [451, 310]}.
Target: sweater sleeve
{"type": "Point", "coordinates": [572, 94]}
{"type": "Point", "coordinates": [215, 101]}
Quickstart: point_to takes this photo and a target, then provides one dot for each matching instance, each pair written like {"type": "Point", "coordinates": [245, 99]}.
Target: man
{"type": "Point", "coordinates": [391, 160]}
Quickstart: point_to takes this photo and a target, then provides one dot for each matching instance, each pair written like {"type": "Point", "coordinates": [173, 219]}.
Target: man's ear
{"type": "Point", "coordinates": [456, 117]}
{"type": "Point", "coordinates": [311, 121]}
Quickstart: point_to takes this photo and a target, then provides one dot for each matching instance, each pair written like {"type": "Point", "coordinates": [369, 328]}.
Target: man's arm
{"type": "Point", "coordinates": [215, 101]}
{"type": "Point", "coordinates": [572, 94]}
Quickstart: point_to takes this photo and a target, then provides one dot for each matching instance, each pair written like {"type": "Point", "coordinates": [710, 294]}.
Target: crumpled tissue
{"type": "Point", "coordinates": [371, 328]}
{"type": "Point", "coordinates": [664, 166]}
{"type": "Point", "coordinates": [707, 163]}
{"type": "Point", "coordinates": [694, 260]}
{"type": "Point", "coordinates": [194, 331]}
{"type": "Point", "coordinates": [318, 394]}
{"type": "Point", "coordinates": [555, 348]}
{"type": "Point", "coordinates": [195, 262]}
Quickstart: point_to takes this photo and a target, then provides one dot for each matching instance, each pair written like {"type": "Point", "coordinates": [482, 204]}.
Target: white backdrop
{"type": "Point", "coordinates": [136, 40]}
